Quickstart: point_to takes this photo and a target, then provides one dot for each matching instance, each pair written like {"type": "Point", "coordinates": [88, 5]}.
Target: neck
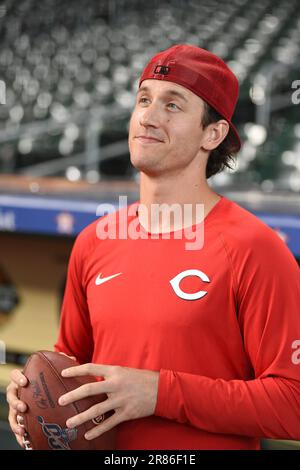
{"type": "Point", "coordinates": [195, 194]}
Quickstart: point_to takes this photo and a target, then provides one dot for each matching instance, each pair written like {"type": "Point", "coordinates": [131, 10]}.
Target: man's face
{"type": "Point", "coordinates": [165, 134]}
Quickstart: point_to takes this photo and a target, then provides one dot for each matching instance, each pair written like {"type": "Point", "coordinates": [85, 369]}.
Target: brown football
{"type": "Point", "coordinates": [45, 420]}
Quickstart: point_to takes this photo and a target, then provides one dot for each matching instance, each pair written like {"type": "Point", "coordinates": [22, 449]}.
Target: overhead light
{"type": "Point", "coordinates": [256, 134]}
{"type": "Point", "coordinates": [257, 94]}
{"type": "Point", "coordinates": [73, 173]}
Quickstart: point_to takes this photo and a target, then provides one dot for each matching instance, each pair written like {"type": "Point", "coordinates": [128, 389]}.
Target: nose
{"type": "Point", "coordinates": [150, 116]}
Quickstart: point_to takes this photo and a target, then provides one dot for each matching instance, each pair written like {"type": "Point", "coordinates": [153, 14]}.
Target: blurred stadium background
{"type": "Point", "coordinates": [69, 73]}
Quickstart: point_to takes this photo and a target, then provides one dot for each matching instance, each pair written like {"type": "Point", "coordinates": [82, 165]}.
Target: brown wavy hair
{"type": "Point", "coordinates": [223, 156]}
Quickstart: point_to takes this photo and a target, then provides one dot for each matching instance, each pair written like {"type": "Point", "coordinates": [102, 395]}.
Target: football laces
{"type": "Point", "coordinates": [26, 442]}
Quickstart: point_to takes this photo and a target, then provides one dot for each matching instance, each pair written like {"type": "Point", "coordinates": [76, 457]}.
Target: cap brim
{"type": "Point", "coordinates": [234, 138]}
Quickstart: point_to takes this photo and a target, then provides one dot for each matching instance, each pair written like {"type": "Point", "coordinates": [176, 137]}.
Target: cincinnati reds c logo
{"type": "Point", "coordinates": [296, 354]}
{"type": "Point", "coordinates": [184, 295]}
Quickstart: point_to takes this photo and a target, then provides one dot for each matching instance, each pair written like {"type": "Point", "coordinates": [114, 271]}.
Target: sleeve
{"type": "Point", "coordinates": [268, 406]}
{"type": "Point", "coordinates": [75, 332]}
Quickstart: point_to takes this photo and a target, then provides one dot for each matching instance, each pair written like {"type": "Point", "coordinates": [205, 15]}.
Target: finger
{"type": "Point", "coordinates": [20, 440]}
{"type": "Point", "coordinates": [20, 421]}
{"type": "Point", "coordinates": [13, 400]}
{"type": "Point", "coordinates": [95, 411]}
{"type": "Point", "coordinates": [18, 430]}
{"type": "Point", "coordinates": [108, 424]}
{"type": "Point", "coordinates": [18, 377]}
{"type": "Point", "coordinates": [15, 423]}
{"type": "Point", "coordinates": [87, 369]}
{"type": "Point", "coordinates": [87, 390]}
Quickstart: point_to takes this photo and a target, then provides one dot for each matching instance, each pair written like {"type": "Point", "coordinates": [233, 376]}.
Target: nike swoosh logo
{"type": "Point", "coordinates": [100, 279]}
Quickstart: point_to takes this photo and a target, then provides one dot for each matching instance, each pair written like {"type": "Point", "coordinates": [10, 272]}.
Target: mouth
{"type": "Point", "coordinates": [148, 140]}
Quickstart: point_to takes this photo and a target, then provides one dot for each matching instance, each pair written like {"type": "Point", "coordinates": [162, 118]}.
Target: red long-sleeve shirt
{"type": "Point", "coordinates": [228, 356]}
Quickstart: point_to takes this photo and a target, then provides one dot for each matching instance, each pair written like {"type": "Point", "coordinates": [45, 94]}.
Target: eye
{"type": "Point", "coordinates": [172, 105]}
{"type": "Point", "coordinates": [142, 100]}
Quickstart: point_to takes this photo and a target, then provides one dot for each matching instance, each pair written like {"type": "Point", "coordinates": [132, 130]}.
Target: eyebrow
{"type": "Point", "coordinates": [167, 92]}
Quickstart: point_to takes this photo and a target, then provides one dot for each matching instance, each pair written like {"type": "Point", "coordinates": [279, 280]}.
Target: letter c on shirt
{"type": "Point", "coordinates": [184, 295]}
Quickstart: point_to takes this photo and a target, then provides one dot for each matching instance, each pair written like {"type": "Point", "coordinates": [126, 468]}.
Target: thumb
{"type": "Point", "coordinates": [71, 357]}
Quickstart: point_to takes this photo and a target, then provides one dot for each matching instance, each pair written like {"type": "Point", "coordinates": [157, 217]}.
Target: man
{"type": "Point", "coordinates": [198, 348]}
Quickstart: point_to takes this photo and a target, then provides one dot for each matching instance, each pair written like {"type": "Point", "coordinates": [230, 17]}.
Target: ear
{"type": "Point", "coordinates": [215, 133]}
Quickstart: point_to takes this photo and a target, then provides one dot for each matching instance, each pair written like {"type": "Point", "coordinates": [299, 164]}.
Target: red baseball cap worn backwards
{"type": "Point", "coordinates": [201, 72]}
